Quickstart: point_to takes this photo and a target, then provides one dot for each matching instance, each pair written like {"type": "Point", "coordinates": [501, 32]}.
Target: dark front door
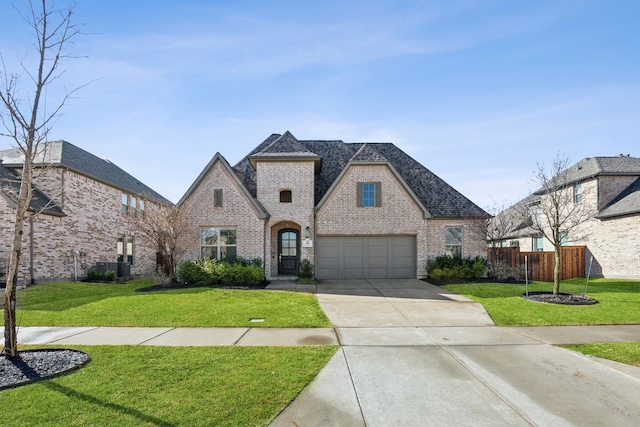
{"type": "Point", "coordinates": [288, 252]}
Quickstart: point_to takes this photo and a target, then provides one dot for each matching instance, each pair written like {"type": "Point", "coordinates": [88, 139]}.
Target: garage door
{"type": "Point", "coordinates": [372, 257]}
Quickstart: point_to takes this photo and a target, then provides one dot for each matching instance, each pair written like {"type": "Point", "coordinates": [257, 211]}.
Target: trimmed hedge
{"type": "Point", "coordinates": [445, 267]}
{"type": "Point", "coordinates": [204, 272]}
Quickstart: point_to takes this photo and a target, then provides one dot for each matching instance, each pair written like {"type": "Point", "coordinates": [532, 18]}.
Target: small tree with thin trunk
{"type": "Point", "coordinates": [554, 212]}
{"type": "Point", "coordinates": [165, 225]}
{"type": "Point", "coordinates": [27, 118]}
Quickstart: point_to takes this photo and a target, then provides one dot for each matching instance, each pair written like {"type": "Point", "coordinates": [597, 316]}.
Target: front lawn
{"type": "Point", "coordinates": [169, 386]}
{"type": "Point", "coordinates": [623, 352]}
{"type": "Point", "coordinates": [98, 304]}
{"type": "Point", "coordinates": [618, 303]}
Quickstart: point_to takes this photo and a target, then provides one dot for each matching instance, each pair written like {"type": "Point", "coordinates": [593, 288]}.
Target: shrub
{"type": "Point", "coordinates": [306, 269]}
{"type": "Point", "coordinates": [211, 272]}
{"type": "Point", "coordinates": [502, 271]}
{"type": "Point", "coordinates": [98, 276]}
{"type": "Point", "coordinates": [445, 267]}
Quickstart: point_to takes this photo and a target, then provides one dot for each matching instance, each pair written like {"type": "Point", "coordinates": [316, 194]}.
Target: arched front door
{"type": "Point", "coordinates": [288, 250]}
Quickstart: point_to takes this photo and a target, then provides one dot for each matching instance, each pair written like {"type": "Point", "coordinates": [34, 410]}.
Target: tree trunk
{"type": "Point", "coordinates": [10, 328]}
{"type": "Point", "coordinates": [556, 270]}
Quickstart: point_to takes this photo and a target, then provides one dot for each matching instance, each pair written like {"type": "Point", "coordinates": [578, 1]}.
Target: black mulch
{"type": "Point", "coordinates": [168, 287]}
{"type": "Point", "coordinates": [560, 298]}
{"type": "Point", "coordinates": [34, 365]}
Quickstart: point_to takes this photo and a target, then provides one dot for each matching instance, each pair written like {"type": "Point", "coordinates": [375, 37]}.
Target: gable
{"type": "Point", "coordinates": [394, 211]}
{"type": "Point", "coordinates": [218, 174]}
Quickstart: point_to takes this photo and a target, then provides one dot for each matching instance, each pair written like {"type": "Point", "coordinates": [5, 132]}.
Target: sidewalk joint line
{"type": "Point", "coordinates": [159, 335]}
{"type": "Point", "coordinates": [242, 336]}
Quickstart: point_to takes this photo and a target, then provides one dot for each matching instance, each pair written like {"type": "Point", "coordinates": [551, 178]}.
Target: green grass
{"type": "Point", "coordinates": [618, 303]}
{"type": "Point", "coordinates": [624, 352]}
{"type": "Point", "coordinates": [169, 386]}
{"type": "Point", "coordinates": [96, 304]}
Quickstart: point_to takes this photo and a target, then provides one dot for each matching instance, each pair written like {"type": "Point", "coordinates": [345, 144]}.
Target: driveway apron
{"type": "Point", "coordinates": [414, 354]}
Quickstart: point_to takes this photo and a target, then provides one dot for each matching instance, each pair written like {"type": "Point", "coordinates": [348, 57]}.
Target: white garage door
{"type": "Point", "coordinates": [371, 257]}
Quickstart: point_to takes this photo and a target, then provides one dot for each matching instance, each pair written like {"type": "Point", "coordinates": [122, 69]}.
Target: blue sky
{"type": "Point", "coordinates": [477, 91]}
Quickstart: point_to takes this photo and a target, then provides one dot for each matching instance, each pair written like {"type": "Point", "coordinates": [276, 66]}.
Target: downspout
{"type": "Point", "coordinates": [32, 280]}
{"type": "Point", "coordinates": [264, 247]}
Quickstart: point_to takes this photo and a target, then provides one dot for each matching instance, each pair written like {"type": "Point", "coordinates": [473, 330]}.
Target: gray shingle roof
{"type": "Point", "coordinates": [10, 188]}
{"type": "Point", "coordinates": [596, 166]}
{"type": "Point", "coordinates": [626, 203]}
{"type": "Point", "coordinates": [438, 197]}
{"type": "Point", "coordinates": [65, 154]}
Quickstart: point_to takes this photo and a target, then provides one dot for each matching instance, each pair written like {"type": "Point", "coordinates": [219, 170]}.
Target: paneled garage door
{"type": "Point", "coordinates": [371, 257]}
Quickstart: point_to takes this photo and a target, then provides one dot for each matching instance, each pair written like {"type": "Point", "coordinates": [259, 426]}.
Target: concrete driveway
{"type": "Point", "coordinates": [415, 355]}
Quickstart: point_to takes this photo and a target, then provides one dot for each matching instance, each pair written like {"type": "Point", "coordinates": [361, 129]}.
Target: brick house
{"type": "Point", "coordinates": [610, 187]}
{"type": "Point", "coordinates": [87, 204]}
{"type": "Point", "coordinates": [355, 210]}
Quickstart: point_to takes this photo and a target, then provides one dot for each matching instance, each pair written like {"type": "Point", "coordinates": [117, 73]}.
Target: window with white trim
{"type": "Point", "coordinates": [577, 193]}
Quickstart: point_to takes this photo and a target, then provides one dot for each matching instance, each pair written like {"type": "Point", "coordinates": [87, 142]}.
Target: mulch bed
{"type": "Point", "coordinates": [560, 298]}
{"type": "Point", "coordinates": [35, 365]}
{"type": "Point", "coordinates": [168, 287]}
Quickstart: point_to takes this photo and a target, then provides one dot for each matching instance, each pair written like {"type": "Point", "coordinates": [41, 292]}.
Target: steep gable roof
{"type": "Point", "coordinates": [64, 154]}
{"type": "Point", "coordinates": [626, 203]}
{"type": "Point", "coordinates": [218, 158]}
{"type": "Point", "coordinates": [10, 189]}
{"type": "Point", "coordinates": [285, 147]}
{"type": "Point", "coordinates": [437, 197]}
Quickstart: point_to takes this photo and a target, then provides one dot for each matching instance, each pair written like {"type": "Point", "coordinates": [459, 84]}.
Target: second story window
{"type": "Point", "coordinates": [577, 193]}
{"type": "Point", "coordinates": [369, 194]}
{"type": "Point", "coordinates": [125, 203]}
{"type": "Point", "coordinates": [285, 196]}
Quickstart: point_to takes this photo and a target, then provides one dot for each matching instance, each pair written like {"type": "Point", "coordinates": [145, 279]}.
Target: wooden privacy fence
{"type": "Point", "coordinates": [541, 264]}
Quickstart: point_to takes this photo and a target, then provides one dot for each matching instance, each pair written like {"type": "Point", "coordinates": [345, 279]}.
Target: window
{"type": "Point", "coordinates": [218, 243]}
{"type": "Point", "coordinates": [124, 249]}
{"type": "Point", "coordinates": [217, 198]}
{"type": "Point", "coordinates": [120, 248]}
{"type": "Point", "coordinates": [453, 241]}
{"type": "Point", "coordinates": [130, 249]}
{"type": "Point", "coordinates": [577, 193]}
{"type": "Point", "coordinates": [369, 194]}
{"type": "Point", "coordinates": [125, 203]}
{"type": "Point", "coordinates": [141, 208]}
{"type": "Point", "coordinates": [133, 205]}
{"type": "Point", "coordinates": [285, 196]}
{"type": "Point", "coordinates": [538, 244]}
{"type": "Point", "coordinates": [564, 238]}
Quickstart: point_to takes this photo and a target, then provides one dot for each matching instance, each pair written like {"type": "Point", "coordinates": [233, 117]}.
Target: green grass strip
{"type": "Point", "coordinates": [623, 352]}
{"type": "Point", "coordinates": [170, 386]}
{"type": "Point", "coordinates": [618, 303]}
{"type": "Point", "coordinates": [94, 304]}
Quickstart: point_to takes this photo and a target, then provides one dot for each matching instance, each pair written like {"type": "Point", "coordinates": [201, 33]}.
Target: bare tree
{"type": "Point", "coordinates": [165, 225]}
{"type": "Point", "coordinates": [556, 211]}
{"type": "Point", "coordinates": [27, 120]}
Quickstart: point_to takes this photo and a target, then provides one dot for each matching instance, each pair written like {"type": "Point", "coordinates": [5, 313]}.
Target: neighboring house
{"type": "Point", "coordinates": [83, 206]}
{"type": "Point", "coordinates": [610, 187]}
{"type": "Point", "coordinates": [355, 210]}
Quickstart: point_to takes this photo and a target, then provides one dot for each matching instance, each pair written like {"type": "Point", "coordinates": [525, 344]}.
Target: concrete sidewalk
{"type": "Point", "coordinates": [177, 336]}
